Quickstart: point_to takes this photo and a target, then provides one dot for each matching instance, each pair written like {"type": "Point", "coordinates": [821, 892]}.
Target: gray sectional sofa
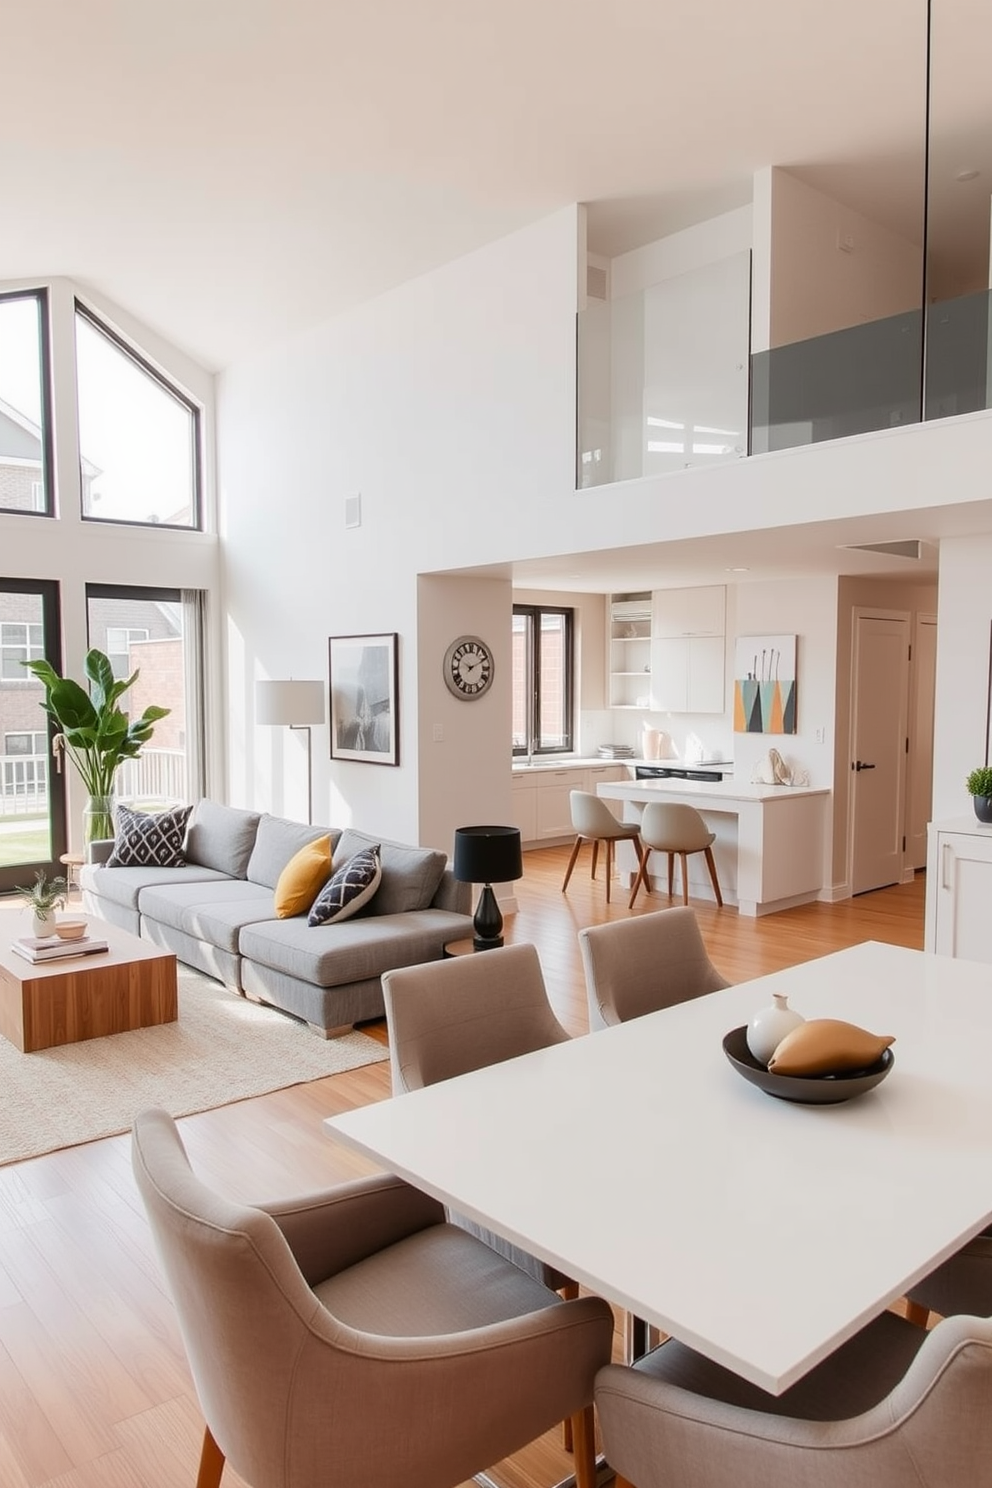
{"type": "Point", "coordinates": [217, 914]}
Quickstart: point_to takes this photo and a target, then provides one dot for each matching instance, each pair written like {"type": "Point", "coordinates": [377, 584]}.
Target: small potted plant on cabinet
{"type": "Point", "coordinates": [45, 896]}
{"type": "Point", "coordinates": [979, 787]}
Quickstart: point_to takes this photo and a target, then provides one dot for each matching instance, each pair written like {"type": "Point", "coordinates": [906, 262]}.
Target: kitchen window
{"type": "Point", "coordinates": [543, 653]}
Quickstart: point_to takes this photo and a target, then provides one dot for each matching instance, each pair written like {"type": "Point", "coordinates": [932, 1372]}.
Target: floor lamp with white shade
{"type": "Point", "coordinates": [295, 705]}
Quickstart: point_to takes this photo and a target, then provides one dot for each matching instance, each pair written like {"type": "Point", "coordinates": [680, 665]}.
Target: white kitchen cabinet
{"type": "Point", "coordinates": [688, 674]}
{"type": "Point", "coordinates": [554, 811]}
{"type": "Point", "coordinates": [687, 650]}
{"type": "Point", "coordinates": [598, 774]}
{"type": "Point", "coordinates": [541, 798]}
{"type": "Point", "coordinates": [523, 801]}
{"type": "Point", "coordinates": [701, 611]}
{"type": "Point", "coordinates": [959, 889]}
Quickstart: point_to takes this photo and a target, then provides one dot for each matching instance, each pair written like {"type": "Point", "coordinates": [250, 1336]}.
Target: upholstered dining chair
{"type": "Point", "coordinates": [594, 822]}
{"type": "Point", "coordinates": [637, 966]}
{"type": "Point", "coordinates": [446, 1018]}
{"type": "Point", "coordinates": [353, 1337]}
{"type": "Point", "coordinates": [962, 1284]}
{"type": "Point", "coordinates": [679, 831]}
{"type": "Point", "coordinates": [892, 1407]}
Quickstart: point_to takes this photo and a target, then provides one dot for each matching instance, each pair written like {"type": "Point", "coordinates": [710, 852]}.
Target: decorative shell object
{"type": "Point", "coordinates": [768, 1028]}
{"type": "Point", "coordinates": [827, 1046]}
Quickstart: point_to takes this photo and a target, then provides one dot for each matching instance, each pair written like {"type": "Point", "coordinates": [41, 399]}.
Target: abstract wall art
{"type": "Point", "coordinates": [765, 685]}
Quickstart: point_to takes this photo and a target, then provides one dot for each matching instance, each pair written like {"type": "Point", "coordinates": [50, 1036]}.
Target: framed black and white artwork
{"type": "Point", "coordinates": [364, 676]}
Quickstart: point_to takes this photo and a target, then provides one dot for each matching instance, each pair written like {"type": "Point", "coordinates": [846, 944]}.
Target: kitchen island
{"type": "Point", "coordinates": [770, 839]}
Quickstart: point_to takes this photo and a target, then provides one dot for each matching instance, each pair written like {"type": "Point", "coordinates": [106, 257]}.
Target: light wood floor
{"type": "Point", "coordinates": [94, 1389]}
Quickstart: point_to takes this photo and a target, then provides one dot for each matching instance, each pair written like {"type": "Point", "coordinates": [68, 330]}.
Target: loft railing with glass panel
{"type": "Point", "coordinates": [867, 304]}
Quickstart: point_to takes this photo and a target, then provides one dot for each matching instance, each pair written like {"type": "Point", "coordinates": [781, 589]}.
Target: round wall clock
{"type": "Point", "coordinates": [468, 667]}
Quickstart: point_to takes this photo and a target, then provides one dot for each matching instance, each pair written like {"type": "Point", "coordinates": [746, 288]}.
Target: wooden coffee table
{"type": "Point", "coordinates": [131, 985]}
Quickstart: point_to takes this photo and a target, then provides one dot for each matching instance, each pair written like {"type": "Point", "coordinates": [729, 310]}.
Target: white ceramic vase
{"type": "Point", "coordinates": [43, 924]}
{"type": "Point", "coordinates": [768, 1028]}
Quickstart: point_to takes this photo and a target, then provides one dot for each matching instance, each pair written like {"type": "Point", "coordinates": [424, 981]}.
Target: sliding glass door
{"type": "Point", "coordinates": [32, 792]}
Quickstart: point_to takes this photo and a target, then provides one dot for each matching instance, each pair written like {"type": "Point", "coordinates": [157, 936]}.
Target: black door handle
{"type": "Point", "coordinates": [860, 765]}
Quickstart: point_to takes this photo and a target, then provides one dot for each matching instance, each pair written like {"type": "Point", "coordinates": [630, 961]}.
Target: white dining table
{"type": "Point", "coordinates": [761, 1232]}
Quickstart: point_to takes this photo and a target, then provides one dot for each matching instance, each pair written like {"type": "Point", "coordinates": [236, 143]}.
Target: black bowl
{"type": "Point", "coordinates": [809, 1090]}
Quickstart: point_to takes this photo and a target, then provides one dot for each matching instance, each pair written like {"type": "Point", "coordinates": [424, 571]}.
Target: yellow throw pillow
{"type": "Point", "coordinates": [303, 878]}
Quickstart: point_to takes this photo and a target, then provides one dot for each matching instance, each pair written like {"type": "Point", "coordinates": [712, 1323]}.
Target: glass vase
{"type": "Point", "coordinates": [98, 821]}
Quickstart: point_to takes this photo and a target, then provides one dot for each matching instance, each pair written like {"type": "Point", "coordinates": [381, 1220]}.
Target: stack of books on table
{"type": "Point", "coordinates": [36, 948]}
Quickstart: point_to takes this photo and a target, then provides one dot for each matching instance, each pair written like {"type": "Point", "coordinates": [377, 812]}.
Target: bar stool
{"type": "Point", "coordinates": [674, 829]}
{"type": "Point", "coordinates": [594, 822]}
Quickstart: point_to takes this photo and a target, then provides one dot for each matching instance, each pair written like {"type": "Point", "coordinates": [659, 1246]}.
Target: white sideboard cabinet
{"type": "Point", "coordinates": [959, 889]}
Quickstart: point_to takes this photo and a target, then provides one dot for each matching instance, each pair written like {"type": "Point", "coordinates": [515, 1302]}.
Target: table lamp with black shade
{"type": "Point", "coordinates": [487, 855]}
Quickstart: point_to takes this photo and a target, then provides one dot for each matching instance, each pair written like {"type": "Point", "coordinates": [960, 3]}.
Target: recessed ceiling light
{"type": "Point", "coordinates": [739, 568]}
{"type": "Point", "coordinates": [966, 173]}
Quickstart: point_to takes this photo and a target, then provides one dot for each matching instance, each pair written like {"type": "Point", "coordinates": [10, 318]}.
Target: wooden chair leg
{"type": "Point", "coordinates": [584, 1439]}
{"type": "Point", "coordinates": [595, 856]}
{"type": "Point", "coordinates": [641, 876]}
{"type": "Point", "coordinates": [569, 1291]}
{"type": "Point", "coordinates": [211, 1462]}
{"type": "Point", "coordinates": [571, 863]}
{"type": "Point", "coordinates": [671, 874]}
{"type": "Point", "coordinates": [683, 860]}
{"type": "Point", "coordinates": [917, 1313]}
{"type": "Point", "coordinates": [609, 866]}
{"type": "Point", "coordinates": [713, 878]}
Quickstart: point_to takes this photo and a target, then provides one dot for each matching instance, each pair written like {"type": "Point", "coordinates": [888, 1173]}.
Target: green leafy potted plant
{"type": "Point", "coordinates": [94, 732]}
{"type": "Point", "coordinates": [45, 896]}
{"type": "Point", "coordinates": [979, 787]}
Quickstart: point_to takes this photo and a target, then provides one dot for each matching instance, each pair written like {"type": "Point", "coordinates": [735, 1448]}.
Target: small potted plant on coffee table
{"type": "Point", "coordinates": [979, 787]}
{"type": "Point", "coordinates": [45, 896]}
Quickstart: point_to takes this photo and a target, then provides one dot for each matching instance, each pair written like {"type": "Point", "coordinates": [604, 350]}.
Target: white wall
{"type": "Point", "coordinates": [808, 284]}
{"type": "Point", "coordinates": [464, 776]}
{"type": "Point", "coordinates": [433, 401]}
{"type": "Point", "coordinates": [964, 621]}
{"type": "Point", "coordinates": [807, 609]}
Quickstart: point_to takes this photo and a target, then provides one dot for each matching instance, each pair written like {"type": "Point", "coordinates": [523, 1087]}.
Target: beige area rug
{"type": "Point", "coordinates": [222, 1049]}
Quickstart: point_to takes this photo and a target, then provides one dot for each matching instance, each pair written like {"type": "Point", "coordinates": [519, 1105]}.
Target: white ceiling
{"type": "Point", "coordinates": [230, 171]}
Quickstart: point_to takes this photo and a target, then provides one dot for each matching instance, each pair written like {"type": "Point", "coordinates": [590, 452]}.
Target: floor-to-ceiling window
{"type": "Point", "coordinates": [154, 633]}
{"type": "Point", "coordinates": [32, 799]}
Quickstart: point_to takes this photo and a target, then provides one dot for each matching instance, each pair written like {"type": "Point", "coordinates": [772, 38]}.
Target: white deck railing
{"type": "Point", "coordinates": [156, 775]}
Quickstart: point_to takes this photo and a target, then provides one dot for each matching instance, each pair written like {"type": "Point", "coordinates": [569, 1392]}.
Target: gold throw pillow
{"type": "Point", "coordinates": [303, 878]}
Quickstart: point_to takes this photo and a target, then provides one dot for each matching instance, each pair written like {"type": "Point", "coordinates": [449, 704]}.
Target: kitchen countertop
{"type": "Point", "coordinates": [586, 762]}
{"type": "Point", "coordinates": [570, 762]}
{"type": "Point", "coordinates": [707, 790]}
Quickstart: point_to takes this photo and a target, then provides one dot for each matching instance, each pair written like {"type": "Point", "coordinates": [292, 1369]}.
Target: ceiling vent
{"type": "Point", "coordinates": [909, 547]}
{"type": "Point", "coordinates": [595, 282]}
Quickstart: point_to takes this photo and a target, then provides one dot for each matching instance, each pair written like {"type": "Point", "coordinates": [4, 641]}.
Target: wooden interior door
{"type": "Point", "coordinates": [879, 724]}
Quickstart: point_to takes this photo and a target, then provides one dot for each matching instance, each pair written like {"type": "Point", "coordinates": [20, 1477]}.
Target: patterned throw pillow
{"type": "Point", "coordinates": [351, 886]}
{"type": "Point", "coordinates": [146, 841]}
